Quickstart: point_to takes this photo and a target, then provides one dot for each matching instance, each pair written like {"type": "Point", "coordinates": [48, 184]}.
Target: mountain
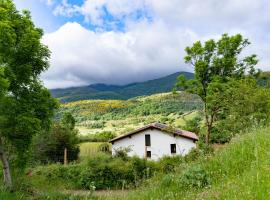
{"type": "Point", "coordinates": [104, 91]}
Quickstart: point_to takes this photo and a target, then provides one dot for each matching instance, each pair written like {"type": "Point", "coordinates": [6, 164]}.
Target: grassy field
{"type": "Point", "coordinates": [88, 149]}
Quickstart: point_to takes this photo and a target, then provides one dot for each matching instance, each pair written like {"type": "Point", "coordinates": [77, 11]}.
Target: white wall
{"type": "Point", "coordinates": [160, 144]}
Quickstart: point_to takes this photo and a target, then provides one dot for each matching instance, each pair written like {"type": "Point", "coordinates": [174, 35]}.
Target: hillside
{"type": "Point", "coordinates": [119, 116]}
{"type": "Point", "coordinates": [103, 91]}
{"type": "Point", "coordinates": [240, 170]}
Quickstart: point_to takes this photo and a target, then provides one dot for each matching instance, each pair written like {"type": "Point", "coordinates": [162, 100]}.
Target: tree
{"type": "Point", "coordinates": [245, 105]}
{"type": "Point", "coordinates": [68, 121]}
{"type": "Point", "coordinates": [49, 147]}
{"type": "Point", "coordinates": [26, 107]}
{"type": "Point", "coordinates": [215, 62]}
{"type": "Point", "coordinates": [193, 125]}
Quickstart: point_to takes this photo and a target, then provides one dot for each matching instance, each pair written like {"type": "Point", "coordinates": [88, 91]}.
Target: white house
{"type": "Point", "coordinates": [155, 140]}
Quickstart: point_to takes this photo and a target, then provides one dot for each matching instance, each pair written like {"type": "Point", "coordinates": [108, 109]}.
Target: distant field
{"type": "Point", "coordinates": [88, 149]}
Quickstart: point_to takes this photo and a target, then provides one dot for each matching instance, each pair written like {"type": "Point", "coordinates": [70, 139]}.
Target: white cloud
{"type": "Point", "coordinates": [148, 48]}
{"type": "Point", "coordinates": [81, 56]}
{"type": "Point", "coordinates": [66, 9]}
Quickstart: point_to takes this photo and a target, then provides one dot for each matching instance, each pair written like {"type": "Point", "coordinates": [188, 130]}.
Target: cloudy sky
{"type": "Point", "coordinates": [123, 41]}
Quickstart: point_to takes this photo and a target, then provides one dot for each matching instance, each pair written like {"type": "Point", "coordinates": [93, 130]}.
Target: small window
{"type": "Point", "coordinates": [173, 148]}
{"type": "Point", "coordinates": [147, 140]}
{"type": "Point", "coordinates": [148, 154]}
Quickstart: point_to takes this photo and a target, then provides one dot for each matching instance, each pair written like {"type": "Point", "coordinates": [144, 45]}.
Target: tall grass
{"type": "Point", "coordinates": [239, 171]}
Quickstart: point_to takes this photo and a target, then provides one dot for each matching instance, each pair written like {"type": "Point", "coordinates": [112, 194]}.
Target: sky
{"type": "Point", "coordinates": [125, 41]}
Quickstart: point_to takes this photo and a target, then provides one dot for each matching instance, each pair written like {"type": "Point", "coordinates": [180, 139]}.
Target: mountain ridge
{"type": "Point", "coordinates": [108, 91]}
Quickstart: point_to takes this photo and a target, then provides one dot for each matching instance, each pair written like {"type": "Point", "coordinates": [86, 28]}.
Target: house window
{"type": "Point", "coordinates": [147, 140]}
{"type": "Point", "coordinates": [148, 154]}
{"type": "Point", "coordinates": [173, 148]}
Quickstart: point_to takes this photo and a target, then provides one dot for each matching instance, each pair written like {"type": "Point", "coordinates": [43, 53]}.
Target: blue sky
{"type": "Point", "coordinates": [122, 41]}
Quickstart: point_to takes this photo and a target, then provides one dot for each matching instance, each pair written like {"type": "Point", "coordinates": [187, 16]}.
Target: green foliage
{"type": "Point", "coordinates": [193, 125]}
{"type": "Point", "coordinates": [170, 164]}
{"type": "Point", "coordinates": [26, 106]}
{"type": "Point", "coordinates": [195, 176]}
{"type": "Point", "coordinates": [216, 62]}
{"type": "Point", "coordinates": [104, 147]}
{"type": "Point", "coordinates": [100, 171]}
{"type": "Point", "coordinates": [68, 121]}
{"type": "Point", "coordinates": [122, 153]}
{"type": "Point", "coordinates": [49, 147]}
{"type": "Point", "coordinates": [98, 137]}
{"type": "Point", "coordinates": [114, 115]}
{"type": "Point", "coordinates": [246, 105]}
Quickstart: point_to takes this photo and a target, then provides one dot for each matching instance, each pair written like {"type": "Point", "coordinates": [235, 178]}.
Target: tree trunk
{"type": "Point", "coordinates": [6, 169]}
{"type": "Point", "coordinates": [207, 137]}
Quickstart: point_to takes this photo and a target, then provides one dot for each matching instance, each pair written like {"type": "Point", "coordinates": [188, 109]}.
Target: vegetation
{"type": "Point", "coordinates": [238, 171]}
{"type": "Point", "coordinates": [102, 91]}
{"type": "Point", "coordinates": [234, 97]}
{"type": "Point", "coordinates": [216, 63]}
{"type": "Point", "coordinates": [101, 171]}
{"type": "Point", "coordinates": [121, 116]}
{"type": "Point", "coordinates": [26, 107]}
{"type": "Point", "coordinates": [49, 146]}
{"type": "Point", "coordinates": [89, 149]}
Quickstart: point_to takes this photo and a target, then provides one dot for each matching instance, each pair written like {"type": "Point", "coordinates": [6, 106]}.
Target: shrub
{"type": "Point", "coordinates": [193, 155]}
{"type": "Point", "coordinates": [195, 176]}
{"type": "Point", "coordinates": [101, 172]}
{"type": "Point", "coordinates": [167, 180]}
{"type": "Point", "coordinates": [169, 164]}
{"type": "Point", "coordinates": [122, 153]}
{"type": "Point", "coordinates": [104, 147]}
{"type": "Point", "coordinates": [193, 125]}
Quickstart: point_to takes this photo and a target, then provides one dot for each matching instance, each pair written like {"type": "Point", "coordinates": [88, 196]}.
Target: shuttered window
{"type": "Point", "coordinates": [147, 140]}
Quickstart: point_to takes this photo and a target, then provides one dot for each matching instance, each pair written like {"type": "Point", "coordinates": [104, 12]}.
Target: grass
{"type": "Point", "coordinates": [88, 149]}
{"type": "Point", "coordinates": [241, 170]}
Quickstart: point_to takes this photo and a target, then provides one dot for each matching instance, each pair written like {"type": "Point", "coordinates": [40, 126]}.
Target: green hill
{"type": "Point", "coordinates": [120, 116]}
{"type": "Point", "coordinates": [103, 91]}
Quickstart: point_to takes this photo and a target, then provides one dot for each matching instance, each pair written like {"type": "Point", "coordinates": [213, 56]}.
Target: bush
{"type": "Point", "coordinates": [122, 153]}
{"type": "Point", "coordinates": [193, 155]}
{"type": "Point", "coordinates": [195, 176]}
{"type": "Point", "coordinates": [101, 172]}
{"type": "Point", "coordinates": [50, 146]}
{"type": "Point", "coordinates": [193, 125]}
{"type": "Point", "coordinates": [169, 164]}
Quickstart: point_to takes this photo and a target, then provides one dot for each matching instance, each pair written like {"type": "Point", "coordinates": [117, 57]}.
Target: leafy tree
{"type": "Point", "coordinates": [26, 107]}
{"type": "Point", "coordinates": [245, 104]}
{"type": "Point", "coordinates": [49, 147]}
{"type": "Point", "coordinates": [215, 62]}
{"type": "Point", "coordinates": [68, 121]}
{"type": "Point", "coordinates": [193, 125]}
